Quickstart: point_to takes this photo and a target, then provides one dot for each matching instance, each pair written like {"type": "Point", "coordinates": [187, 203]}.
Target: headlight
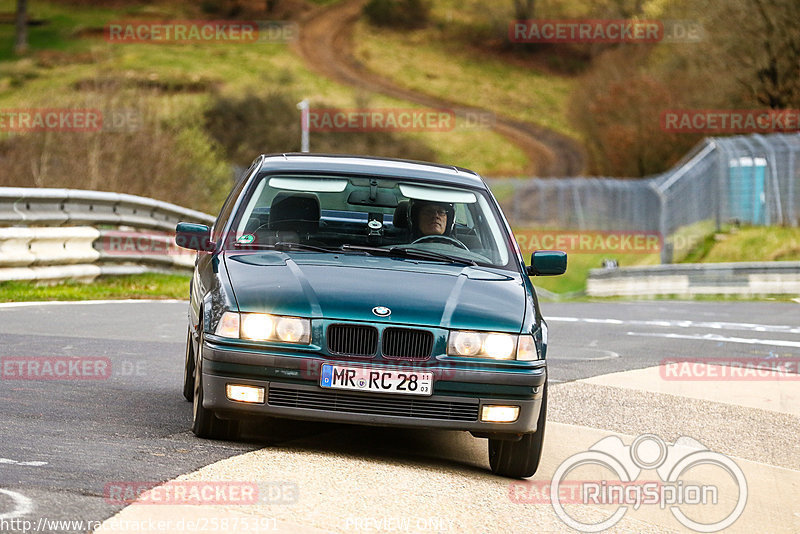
{"type": "Point", "coordinates": [482, 344]}
{"type": "Point", "coordinates": [465, 343]}
{"type": "Point", "coordinates": [292, 330]}
{"type": "Point", "coordinates": [265, 327]}
{"type": "Point", "coordinates": [500, 346]}
{"type": "Point", "coordinates": [257, 326]}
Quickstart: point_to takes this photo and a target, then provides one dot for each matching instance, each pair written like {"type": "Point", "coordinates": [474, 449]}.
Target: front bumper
{"type": "Point", "coordinates": [292, 391]}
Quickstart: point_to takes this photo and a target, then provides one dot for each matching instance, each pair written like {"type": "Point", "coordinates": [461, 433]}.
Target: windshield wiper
{"type": "Point", "coordinates": [410, 253]}
{"type": "Point", "coordinates": [285, 245]}
{"type": "Point", "coordinates": [434, 255]}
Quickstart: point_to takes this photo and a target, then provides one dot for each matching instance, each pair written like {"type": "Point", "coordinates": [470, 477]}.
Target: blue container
{"type": "Point", "coordinates": [746, 191]}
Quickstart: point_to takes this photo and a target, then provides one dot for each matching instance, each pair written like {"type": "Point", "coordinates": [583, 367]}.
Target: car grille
{"type": "Point", "coordinates": [335, 401]}
{"type": "Point", "coordinates": [353, 340]}
{"type": "Point", "coordinates": [407, 344]}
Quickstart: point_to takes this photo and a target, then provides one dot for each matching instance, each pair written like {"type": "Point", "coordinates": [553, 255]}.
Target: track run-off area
{"type": "Point", "coordinates": [620, 370]}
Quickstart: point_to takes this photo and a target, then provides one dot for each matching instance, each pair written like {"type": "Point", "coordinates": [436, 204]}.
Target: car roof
{"type": "Point", "coordinates": [371, 166]}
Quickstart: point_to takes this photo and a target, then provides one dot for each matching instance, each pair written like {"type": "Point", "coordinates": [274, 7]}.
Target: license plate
{"type": "Point", "coordinates": [378, 380]}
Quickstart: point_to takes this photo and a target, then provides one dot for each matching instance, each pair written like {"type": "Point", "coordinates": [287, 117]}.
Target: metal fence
{"type": "Point", "coordinates": [750, 179]}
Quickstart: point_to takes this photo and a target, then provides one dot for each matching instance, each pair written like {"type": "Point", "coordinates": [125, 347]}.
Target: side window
{"type": "Point", "coordinates": [482, 233]}
{"type": "Point", "coordinates": [464, 216]}
{"type": "Point", "coordinates": [230, 202]}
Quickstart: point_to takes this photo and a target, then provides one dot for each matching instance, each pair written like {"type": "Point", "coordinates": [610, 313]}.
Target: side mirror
{"type": "Point", "coordinates": [547, 263]}
{"type": "Point", "coordinates": [194, 236]}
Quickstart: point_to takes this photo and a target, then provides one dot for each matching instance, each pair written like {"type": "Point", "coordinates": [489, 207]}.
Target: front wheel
{"type": "Point", "coordinates": [204, 423]}
{"type": "Point", "coordinates": [519, 459]}
{"type": "Point", "coordinates": [188, 369]}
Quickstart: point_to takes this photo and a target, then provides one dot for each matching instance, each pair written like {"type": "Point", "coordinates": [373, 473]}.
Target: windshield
{"type": "Point", "coordinates": [370, 216]}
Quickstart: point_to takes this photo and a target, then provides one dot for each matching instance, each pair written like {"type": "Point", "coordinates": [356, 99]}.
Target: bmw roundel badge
{"type": "Point", "coordinates": [381, 311]}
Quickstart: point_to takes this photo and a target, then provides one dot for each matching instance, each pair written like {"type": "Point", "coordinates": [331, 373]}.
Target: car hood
{"type": "Point", "coordinates": [348, 287]}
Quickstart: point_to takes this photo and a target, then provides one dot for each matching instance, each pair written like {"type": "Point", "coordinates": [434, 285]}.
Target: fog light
{"type": "Point", "coordinates": [499, 414]}
{"type": "Point", "coordinates": [251, 394]}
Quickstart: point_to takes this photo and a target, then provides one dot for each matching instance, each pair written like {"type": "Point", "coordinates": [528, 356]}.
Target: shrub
{"type": "Point", "coordinates": [250, 125]}
{"type": "Point", "coordinates": [150, 156]}
{"type": "Point", "coordinates": [398, 13]}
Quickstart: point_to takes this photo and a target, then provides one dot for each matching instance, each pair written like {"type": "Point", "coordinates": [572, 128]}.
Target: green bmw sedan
{"type": "Point", "coordinates": [368, 291]}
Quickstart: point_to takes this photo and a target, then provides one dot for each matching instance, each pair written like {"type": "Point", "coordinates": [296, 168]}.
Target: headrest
{"type": "Point", "coordinates": [298, 212]}
{"type": "Point", "coordinates": [400, 218]}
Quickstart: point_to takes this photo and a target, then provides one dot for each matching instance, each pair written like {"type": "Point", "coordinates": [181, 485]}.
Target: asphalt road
{"type": "Point", "coordinates": [63, 441]}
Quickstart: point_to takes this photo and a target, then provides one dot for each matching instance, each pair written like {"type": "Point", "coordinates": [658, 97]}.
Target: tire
{"type": "Point", "coordinates": [204, 423]}
{"type": "Point", "coordinates": [519, 459]}
{"type": "Point", "coordinates": [188, 369]}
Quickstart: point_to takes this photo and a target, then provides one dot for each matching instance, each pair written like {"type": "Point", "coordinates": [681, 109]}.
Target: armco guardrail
{"type": "Point", "coordinates": [53, 234]}
{"type": "Point", "coordinates": [690, 279]}
{"type": "Point", "coordinates": [22, 206]}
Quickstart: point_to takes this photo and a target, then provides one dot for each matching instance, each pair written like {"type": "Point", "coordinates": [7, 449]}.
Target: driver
{"type": "Point", "coordinates": [431, 218]}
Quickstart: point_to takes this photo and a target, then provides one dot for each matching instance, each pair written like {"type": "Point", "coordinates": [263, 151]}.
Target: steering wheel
{"type": "Point", "coordinates": [444, 238]}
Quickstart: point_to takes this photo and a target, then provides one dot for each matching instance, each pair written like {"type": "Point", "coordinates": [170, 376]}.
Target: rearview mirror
{"type": "Point", "coordinates": [194, 236]}
{"type": "Point", "coordinates": [374, 197]}
{"type": "Point", "coordinates": [380, 199]}
{"type": "Point", "coordinates": [547, 263]}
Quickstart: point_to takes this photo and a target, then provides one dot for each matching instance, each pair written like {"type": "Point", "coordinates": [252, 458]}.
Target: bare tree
{"type": "Point", "coordinates": [777, 66]}
{"type": "Point", "coordinates": [524, 9]}
{"type": "Point", "coordinates": [21, 40]}
{"type": "Point", "coordinates": [754, 48]}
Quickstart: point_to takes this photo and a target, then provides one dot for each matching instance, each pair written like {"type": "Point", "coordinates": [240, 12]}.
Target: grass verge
{"type": "Point", "coordinates": [732, 244]}
{"type": "Point", "coordinates": [579, 265]}
{"type": "Point", "coordinates": [754, 243]}
{"type": "Point", "coordinates": [142, 286]}
{"type": "Point", "coordinates": [431, 61]}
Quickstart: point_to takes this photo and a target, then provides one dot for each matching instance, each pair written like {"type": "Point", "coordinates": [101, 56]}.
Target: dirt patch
{"type": "Point", "coordinates": [326, 45]}
{"type": "Point", "coordinates": [203, 9]}
{"type": "Point", "coordinates": [55, 58]}
{"type": "Point", "coordinates": [11, 18]}
{"type": "Point", "coordinates": [150, 83]}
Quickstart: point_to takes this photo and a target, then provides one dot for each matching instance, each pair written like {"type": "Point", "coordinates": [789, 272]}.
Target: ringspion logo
{"type": "Point", "coordinates": [688, 474]}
